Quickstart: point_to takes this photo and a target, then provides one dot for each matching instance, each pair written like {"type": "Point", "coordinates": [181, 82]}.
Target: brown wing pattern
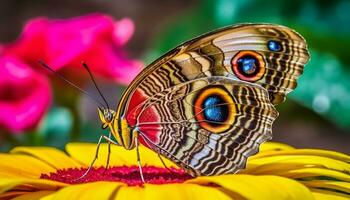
{"type": "Point", "coordinates": [213, 147]}
{"type": "Point", "coordinates": [208, 103]}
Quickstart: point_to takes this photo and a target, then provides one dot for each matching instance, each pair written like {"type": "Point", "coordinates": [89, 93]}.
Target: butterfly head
{"type": "Point", "coordinates": [120, 129]}
{"type": "Point", "coordinates": [106, 116]}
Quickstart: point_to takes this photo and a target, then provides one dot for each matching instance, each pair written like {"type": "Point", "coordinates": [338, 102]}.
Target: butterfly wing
{"type": "Point", "coordinates": [257, 64]}
{"type": "Point", "coordinates": [277, 52]}
{"type": "Point", "coordinates": [271, 56]}
{"type": "Point", "coordinates": [208, 125]}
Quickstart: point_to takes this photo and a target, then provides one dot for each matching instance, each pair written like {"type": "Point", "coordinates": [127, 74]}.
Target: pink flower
{"type": "Point", "coordinates": [96, 39]}
{"type": "Point", "coordinates": [25, 95]}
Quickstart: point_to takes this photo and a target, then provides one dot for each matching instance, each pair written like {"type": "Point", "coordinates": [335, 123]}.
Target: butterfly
{"type": "Point", "coordinates": [209, 103]}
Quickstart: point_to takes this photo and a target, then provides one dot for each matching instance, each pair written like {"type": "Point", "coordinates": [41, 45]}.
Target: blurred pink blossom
{"type": "Point", "coordinates": [25, 95]}
{"type": "Point", "coordinates": [96, 39]}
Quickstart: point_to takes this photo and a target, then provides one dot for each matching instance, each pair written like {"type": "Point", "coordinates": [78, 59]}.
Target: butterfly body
{"type": "Point", "coordinates": [209, 103]}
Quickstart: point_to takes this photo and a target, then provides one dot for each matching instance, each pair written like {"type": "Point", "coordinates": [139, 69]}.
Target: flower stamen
{"type": "Point", "coordinates": [126, 174]}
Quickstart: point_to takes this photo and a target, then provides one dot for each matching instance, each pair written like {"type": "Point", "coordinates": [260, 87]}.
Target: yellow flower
{"type": "Point", "coordinates": [277, 172]}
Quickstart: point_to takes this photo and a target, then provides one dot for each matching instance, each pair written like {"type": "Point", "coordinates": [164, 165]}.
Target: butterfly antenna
{"type": "Point", "coordinates": [42, 63]}
{"type": "Point", "coordinates": [96, 86]}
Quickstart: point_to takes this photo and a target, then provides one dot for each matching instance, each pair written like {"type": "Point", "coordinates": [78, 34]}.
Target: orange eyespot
{"type": "Point", "coordinates": [214, 109]}
{"type": "Point", "coordinates": [248, 66]}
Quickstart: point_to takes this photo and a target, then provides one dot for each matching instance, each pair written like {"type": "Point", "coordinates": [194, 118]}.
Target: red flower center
{"type": "Point", "coordinates": [127, 174]}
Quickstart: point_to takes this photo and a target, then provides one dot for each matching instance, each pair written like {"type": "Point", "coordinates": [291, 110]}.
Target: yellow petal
{"type": "Point", "coordinates": [171, 192]}
{"type": "Point", "coordinates": [95, 190]}
{"type": "Point", "coordinates": [274, 146]}
{"type": "Point", "coordinates": [257, 187]}
{"type": "Point", "coordinates": [49, 155]}
{"type": "Point", "coordinates": [26, 185]}
{"type": "Point", "coordinates": [329, 195]}
{"type": "Point", "coordinates": [22, 166]}
{"type": "Point", "coordinates": [34, 195]}
{"type": "Point", "coordinates": [341, 186]}
{"type": "Point", "coordinates": [288, 162]}
{"type": "Point", "coordinates": [11, 195]}
{"type": "Point", "coordinates": [84, 153]}
{"type": "Point", "coordinates": [7, 184]}
{"type": "Point", "coordinates": [308, 173]}
{"type": "Point", "coordinates": [310, 152]}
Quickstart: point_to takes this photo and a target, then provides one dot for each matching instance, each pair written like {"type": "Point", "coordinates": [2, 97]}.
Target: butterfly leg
{"type": "Point", "coordinates": [161, 159]}
{"type": "Point", "coordinates": [93, 161]}
{"type": "Point", "coordinates": [147, 142]}
{"type": "Point", "coordinates": [138, 158]}
{"type": "Point", "coordinates": [109, 140]}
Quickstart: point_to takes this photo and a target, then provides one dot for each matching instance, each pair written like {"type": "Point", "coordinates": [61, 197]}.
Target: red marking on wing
{"type": "Point", "coordinates": [150, 114]}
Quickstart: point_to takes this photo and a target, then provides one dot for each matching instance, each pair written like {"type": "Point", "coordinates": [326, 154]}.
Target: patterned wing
{"type": "Point", "coordinates": [208, 125]}
{"type": "Point", "coordinates": [272, 56]}
{"type": "Point", "coordinates": [259, 63]}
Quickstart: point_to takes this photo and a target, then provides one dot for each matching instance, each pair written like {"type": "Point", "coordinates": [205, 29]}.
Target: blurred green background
{"type": "Point", "coordinates": [315, 115]}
